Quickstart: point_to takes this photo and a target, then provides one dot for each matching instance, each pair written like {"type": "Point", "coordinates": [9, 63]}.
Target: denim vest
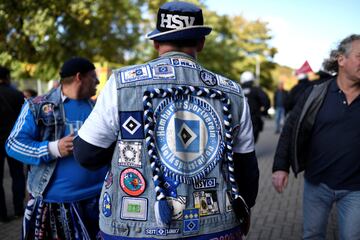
{"type": "Point", "coordinates": [182, 97]}
{"type": "Point", "coordinates": [48, 111]}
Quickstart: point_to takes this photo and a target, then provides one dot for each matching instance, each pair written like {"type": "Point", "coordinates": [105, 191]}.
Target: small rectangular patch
{"type": "Point", "coordinates": [207, 202]}
{"type": "Point", "coordinates": [138, 73]}
{"type": "Point", "coordinates": [183, 62]}
{"type": "Point", "coordinates": [205, 183]}
{"type": "Point", "coordinates": [228, 200]}
{"type": "Point", "coordinates": [134, 208]}
{"type": "Point", "coordinates": [227, 83]}
{"type": "Point", "coordinates": [164, 71]}
{"type": "Point", "coordinates": [131, 125]}
{"type": "Point", "coordinates": [162, 231]}
{"type": "Point", "coordinates": [191, 221]}
{"type": "Point", "coordinates": [130, 154]}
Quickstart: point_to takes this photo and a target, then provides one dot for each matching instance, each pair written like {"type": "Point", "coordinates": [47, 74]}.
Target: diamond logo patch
{"type": "Point", "coordinates": [131, 125]}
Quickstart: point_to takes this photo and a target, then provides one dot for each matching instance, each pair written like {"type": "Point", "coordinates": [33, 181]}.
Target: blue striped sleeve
{"type": "Point", "coordinates": [22, 143]}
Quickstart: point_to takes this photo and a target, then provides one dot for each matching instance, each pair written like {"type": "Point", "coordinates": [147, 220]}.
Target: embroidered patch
{"type": "Point", "coordinates": [208, 78]}
{"type": "Point", "coordinates": [228, 200]}
{"type": "Point", "coordinates": [191, 221]}
{"type": "Point", "coordinates": [134, 208]}
{"type": "Point", "coordinates": [132, 182]}
{"type": "Point", "coordinates": [227, 83]}
{"type": "Point", "coordinates": [130, 154]}
{"type": "Point", "coordinates": [183, 62]}
{"type": "Point", "coordinates": [187, 136]}
{"type": "Point", "coordinates": [205, 183]}
{"type": "Point", "coordinates": [131, 124]}
{"type": "Point", "coordinates": [47, 108]}
{"type": "Point", "coordinates": [177, 205]}
{"type": "Point", "coordinates": [106, 205]}
{"type": "Point", "coordinates": [135, 74]}
{"type": "Point", "coordinates": [207, 202]}
{"type": "Point", "coordinates": [108, 179]}
{"type": "Point", "coordinates": [162, 231]}
{"type": "Point", "coordinates": [170, 186]}
{"type": "Point", "coordinates": [164, 71]}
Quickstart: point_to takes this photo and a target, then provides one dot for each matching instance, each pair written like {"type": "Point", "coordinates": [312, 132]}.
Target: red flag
{"type": "Point", "coordinates": [305, 68]}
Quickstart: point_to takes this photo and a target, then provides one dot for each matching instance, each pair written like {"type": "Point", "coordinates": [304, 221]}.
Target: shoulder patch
{"type": "Point", "coordinates": [208, 78]}
{"type": "Point", "coordinates": [184, 62]}
{"type": "Point", "coordinates": [138, 73]}
{"type": "Point", "coordinates": [228, 84]}
{"type": "Point", "coordinates": [164, 71]}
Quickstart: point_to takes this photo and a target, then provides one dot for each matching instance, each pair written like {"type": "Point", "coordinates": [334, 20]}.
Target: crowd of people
{"type": "Point", "coordinates": [168, 149]}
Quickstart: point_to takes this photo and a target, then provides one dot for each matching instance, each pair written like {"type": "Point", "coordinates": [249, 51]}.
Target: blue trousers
{"type": "Point", "coordinates": [317, 204]}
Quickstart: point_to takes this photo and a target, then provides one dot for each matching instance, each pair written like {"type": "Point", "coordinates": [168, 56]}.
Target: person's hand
{"type": "Point", "coordinates": [65, 145]}
{"type": "Point", "coordinates": [280, 180]}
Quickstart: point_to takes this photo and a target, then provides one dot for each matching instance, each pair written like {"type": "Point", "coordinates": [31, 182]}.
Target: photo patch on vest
{"type": "Point", "coordinates": [106, 205]}
{"type": "Point", "coordinates": [134, 208]}
{"type": "Point", "coordinates": [191, 221]}
{"type": "Point", "coordinates": [208, 78]}
{"type": "Point", "coordinates": [187, 136]}
{"type": "Point", "coordinates": [162, 231]}
{"type": "Point", "coordinates": [227, 83]}
{"type": "Point", "coordinates": [184, 62]}
{"type": "Point", "coordinates": [164, 71]}
{"type": "Point", "coordinates": [137, 73]}
{"type": "Point", "coordinates": [228, 200]}
{"type": "Point", "coordinates": [205, 183]}
{"type": "Point", "coordinates": [130, 154]}
{"type": "Point", "coordinates": [132, 182]}
{"type": "Point", "coordinates": [108, 179]}
{"type": "Point", "coordinates": [206, 202]}
{"type": "Point", "coordinates": [47, 108]}
{"type": "Point", "coordinates": [131, 124]}
{"type": "Point", "coordinates": [177, 206]}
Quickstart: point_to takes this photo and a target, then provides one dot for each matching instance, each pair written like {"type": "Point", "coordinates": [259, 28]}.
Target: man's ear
{"type": "Point", "coordinates": [341, 59]}
{"type": "Point", "coordinates": [156, 45]}
{"type": "Point", "coordinates": [77, 77]}
{"type": "Point", "coordinates": [200, 45]}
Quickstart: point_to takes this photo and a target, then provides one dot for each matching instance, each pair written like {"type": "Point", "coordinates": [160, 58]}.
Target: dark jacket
{"type": "Point", "coordinates": [295, 94]}
{"type": "Point", "coordinates": [293, 145]}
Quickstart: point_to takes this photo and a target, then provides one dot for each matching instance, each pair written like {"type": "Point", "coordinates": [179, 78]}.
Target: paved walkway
{"type": "Point", "coordinates": [275, 216]}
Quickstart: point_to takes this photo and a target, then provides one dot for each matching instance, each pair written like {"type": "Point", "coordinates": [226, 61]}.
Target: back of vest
{"type": "Point", "coordinates": [177, 121]}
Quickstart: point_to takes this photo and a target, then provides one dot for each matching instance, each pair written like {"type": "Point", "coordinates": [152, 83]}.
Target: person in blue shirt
{"type": "Point", "coordinates": [63, 201]}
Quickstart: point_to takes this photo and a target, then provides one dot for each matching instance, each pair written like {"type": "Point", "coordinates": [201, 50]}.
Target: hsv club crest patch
{"type": "Point", "coordinates": [130, 154]}
{"type": "Point", "coordinates": [164, 71]}
{"type": "Point", "coordinates": [187, 137]}
{"type": "Point", "coordinates": [137, 73]}
{"type": "Point", "coordinates": [131, 125]}
{"type": "Point", "coordinates": [228, 84]}
{"type": "Point", "coordinates": [132, 182]}
{"type": "Point", "coordinates": [208, 78]}
{"type": "Point", "coordinates": [191, 221]}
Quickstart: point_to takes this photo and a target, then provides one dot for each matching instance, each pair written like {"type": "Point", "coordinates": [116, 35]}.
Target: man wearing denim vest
{"type": "Point", "coordinates": [180, 138]}
{"type": "Point", "coordinates": [64, 196]}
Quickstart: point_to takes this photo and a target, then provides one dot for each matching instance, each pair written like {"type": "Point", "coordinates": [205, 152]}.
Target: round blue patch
{"type": "Point", "coordinates": [106, 205]}
{"type": "Point", "coordinates": [208, 78]}
{"type": "Point", "coordinates": [188, 137]}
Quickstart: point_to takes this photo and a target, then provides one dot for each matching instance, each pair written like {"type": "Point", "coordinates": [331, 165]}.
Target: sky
{"type": "Point", "coordinates": [301, 29]}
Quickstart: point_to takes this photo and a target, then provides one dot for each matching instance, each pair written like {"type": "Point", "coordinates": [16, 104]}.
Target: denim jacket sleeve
{"type": "Point", "coordinates": [22, 143]}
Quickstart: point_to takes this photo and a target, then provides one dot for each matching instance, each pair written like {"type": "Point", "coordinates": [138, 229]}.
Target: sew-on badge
{"type": "Point", "coordinates": [132, 182]}
{"type": "Point", "coordinates": [170, 187]}
{"type": "Point", "coordinates": [227, 83]}
{"type": "Point", "coordinates": [134, 208]}
{"type": "Point", "coordinates": [188, 137]}
{"type": "Point", "coordinates": [208, 78]}
{"type": "Point", "coordinates": [205, 183]}
{"type": "Point", "coordinates": [130, 154]}
{"type": "Point", "coordinates": [137, 73]}
{"type": "Point", "coordinates": [106, 205]}
{"type": "Point", "coordinates": [164, 71]}
{"type": "Point", "coordinates": [162, 231]}
{"type": "Point", "coordinates": [177, 205]}
{"type": "Point", "coordinates": [206, 202]}
{"type": "Point", "coordinates": [131, 124]}
{"type": "Point", "coordinates": [183, 62]}
{"type": "Point", "coordinates": [191, 221]}
{"type": "Point", "coordinates": [47, 108]}
{"type": "Point", "coordinates": [228, 200]}
{"type": "Point", "coordinates": [108, 179]}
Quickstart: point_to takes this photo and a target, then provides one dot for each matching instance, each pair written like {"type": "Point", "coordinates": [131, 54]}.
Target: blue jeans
{"type": "Point", "coordinates": [279, 118]}
{"type": "Point", "coordinates": [317, 204]}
